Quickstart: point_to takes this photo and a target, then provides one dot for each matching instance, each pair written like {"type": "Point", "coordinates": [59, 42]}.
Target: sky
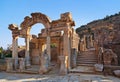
{"type": "Point", "coordinates": [83, 12]}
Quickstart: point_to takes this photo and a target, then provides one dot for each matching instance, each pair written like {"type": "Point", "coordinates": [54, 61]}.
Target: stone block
{"type": "Point", "coordinates": [35, 60]}
{"type": "Point", "coordinates": [9, 62]}
{"type": "Point", "coordinates": [21, 64]}
{"type": "Point", "coordinates": [98, 67]}
{"type": "Point", "coordinates": [117, 73]}
{"type": "Point", "coordinates": [63, 66]}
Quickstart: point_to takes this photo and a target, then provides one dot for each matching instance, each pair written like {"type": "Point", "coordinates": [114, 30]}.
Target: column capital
{"type": "Point", "coordinates": [13, 27]}
{"type": "Point", "coordinates": [27, 35]}
{"type": "Point", "coordinates": [48, 32]}
{"type": "Point", "coordinates": [15, 33]}
{"type": "Point", "coordinates": [15, 36]}
{"type": "Point", "coordinates": [66, 31]}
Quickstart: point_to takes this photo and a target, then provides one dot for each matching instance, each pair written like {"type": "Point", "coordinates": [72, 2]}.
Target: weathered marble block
{"type": "Point", "coordinates": [117, 73]}
{"type": "Point", "coordinates": [15, 64]}
{"type": "Point", "coordinates": [44, 63]}
{"type": "Point", "coordinates": [35, 60]}
{"type": "Point", "coordinates": [9, 62]}
{"type": "Point", "coordinates": [98, 67]}
{"type": "Point", "coordinates": [73, 58]}
{"type": "Point", "coordinates": [21, 64]}
{"type": "Point", "coordinates": [63, 66]}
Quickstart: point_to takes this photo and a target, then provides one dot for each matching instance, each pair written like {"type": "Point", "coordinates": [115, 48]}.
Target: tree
{"type": "Point", "coordinates": [1, 50]}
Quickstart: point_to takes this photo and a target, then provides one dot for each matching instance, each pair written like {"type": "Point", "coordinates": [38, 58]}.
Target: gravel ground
{"type": "Point", "coordinates": [12, 77]}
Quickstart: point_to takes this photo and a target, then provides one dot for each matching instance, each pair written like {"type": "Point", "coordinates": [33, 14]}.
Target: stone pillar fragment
{"type": "Point", "coordinates": [27, 56]}
{"type": "Point", "coordinates": [21, 64]}
{"type": "Point", "coordinates": [9, 62]}
{"type": "Point", "coordinates": [66, 47]}
{"type": "Point", "coordinates": [15, 52]}
{"type": "Point", "coordinates": [48, 47]}
{"type": "Point", "coordinates": [63, 65]}
{"type": "Point", "coordinates": [44, 63]}
{"type": "Point", "coordinates": [84, 41]}
{"type": "Point", "coordinates": [91, 41]}
{"type": "Point", "coordinates": [73, 58]}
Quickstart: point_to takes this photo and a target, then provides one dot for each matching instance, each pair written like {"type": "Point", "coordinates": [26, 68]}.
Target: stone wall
{"type": "Point", "coordinates": [2, 65]}
{"type": "Point", "coordinates": [35, 59]}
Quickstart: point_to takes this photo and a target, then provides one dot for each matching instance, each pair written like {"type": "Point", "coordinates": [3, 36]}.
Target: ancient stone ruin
{"type": "Point", "coordinates": [38, 50]}
{"type": "Point", "coordinates": [59, 47]}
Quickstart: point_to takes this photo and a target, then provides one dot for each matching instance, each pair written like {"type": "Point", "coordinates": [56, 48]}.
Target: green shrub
{"type": "Point", "coordinates": [8, 55]}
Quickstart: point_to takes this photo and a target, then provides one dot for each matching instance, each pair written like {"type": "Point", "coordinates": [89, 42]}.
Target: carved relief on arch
{"type": "Point", "coordinates": [36, 18]}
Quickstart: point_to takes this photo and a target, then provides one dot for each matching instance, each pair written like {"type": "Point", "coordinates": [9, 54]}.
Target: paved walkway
{"type": "Point", "coordinates": [10, 77]}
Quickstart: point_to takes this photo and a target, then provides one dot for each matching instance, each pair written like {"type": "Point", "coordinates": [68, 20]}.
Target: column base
{"type": "Point", "coordinates": [9, 62]}
{"type": "Point", "coordinates": [27, 64]}
{"type": "Point", "coordinates": [43, 70]}
{"type": "Point", "coordinates": [15, 64]}
{"type": "Point", "coordinates": [21, 64]}
{"type": "Point", "coordinates": [63, 66]}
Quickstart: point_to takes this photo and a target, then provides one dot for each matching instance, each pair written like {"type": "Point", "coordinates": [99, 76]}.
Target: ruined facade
{"type": "Point", "coordinates": [58, 32]}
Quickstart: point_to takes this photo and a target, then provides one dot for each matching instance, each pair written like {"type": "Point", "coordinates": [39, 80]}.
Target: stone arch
{"type": "Point", "coordinates": [34, 19]}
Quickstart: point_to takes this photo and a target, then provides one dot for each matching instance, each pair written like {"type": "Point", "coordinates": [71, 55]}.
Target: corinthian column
{"type": "Point", "coordinates": [66, 47]}
{"type": "Point", "coordinates": [27, 56]}
{"type": "Point", "coordinates": [48, 46]}
{"type": "Point", "coordinates": [15, 52]}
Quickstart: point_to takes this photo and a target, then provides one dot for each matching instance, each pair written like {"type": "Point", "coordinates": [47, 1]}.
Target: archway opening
{"type": "Point", "coordinates": [36, 29]}
{"type": "Point", "coordinates": [34, 45]}
{"type": "Point", "coordinates": [54, 52]}
{"type": "Point", "coordinates": [21, 47]}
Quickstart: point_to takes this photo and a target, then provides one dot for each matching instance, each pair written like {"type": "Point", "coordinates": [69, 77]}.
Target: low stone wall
{"type": "Point", "coordinates": [2, 65]}
{"type": "Point", "coordinates": [35, 60]}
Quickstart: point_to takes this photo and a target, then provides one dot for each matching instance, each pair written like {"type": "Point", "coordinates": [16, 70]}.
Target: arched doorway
{"type": "Point", "coordinates": [26, 26]}
{"type": "Point", "coordinates": [54, 52]}
{"type": "Point", "coordinates": [21, 47]}
{"type": "Point", "coordinates": [36, 29]}
{"type": "Point", "coordinates": [35, 51]}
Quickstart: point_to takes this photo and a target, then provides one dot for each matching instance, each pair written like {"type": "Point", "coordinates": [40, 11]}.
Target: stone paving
{"type": "Point", "coordinates": [12, 77]}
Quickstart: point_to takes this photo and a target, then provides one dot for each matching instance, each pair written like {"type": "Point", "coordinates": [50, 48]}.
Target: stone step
{"type": "Point", "coordinates": [87, 62]}
{"type": "Point", "coordinates": [30, 72]}
{"type": "Point", "coordinates": [86, 57]}
{"type": "Point", "coordinates": [90, 52]}
{"type": "Point", "coordinates": [25, 72]}
{"type": "Point", "coordinates": [90, 65]}
{"type": "Point", "coordinates": [87, 53]}
{"type": "Point", "coordinates": [83, 69]}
